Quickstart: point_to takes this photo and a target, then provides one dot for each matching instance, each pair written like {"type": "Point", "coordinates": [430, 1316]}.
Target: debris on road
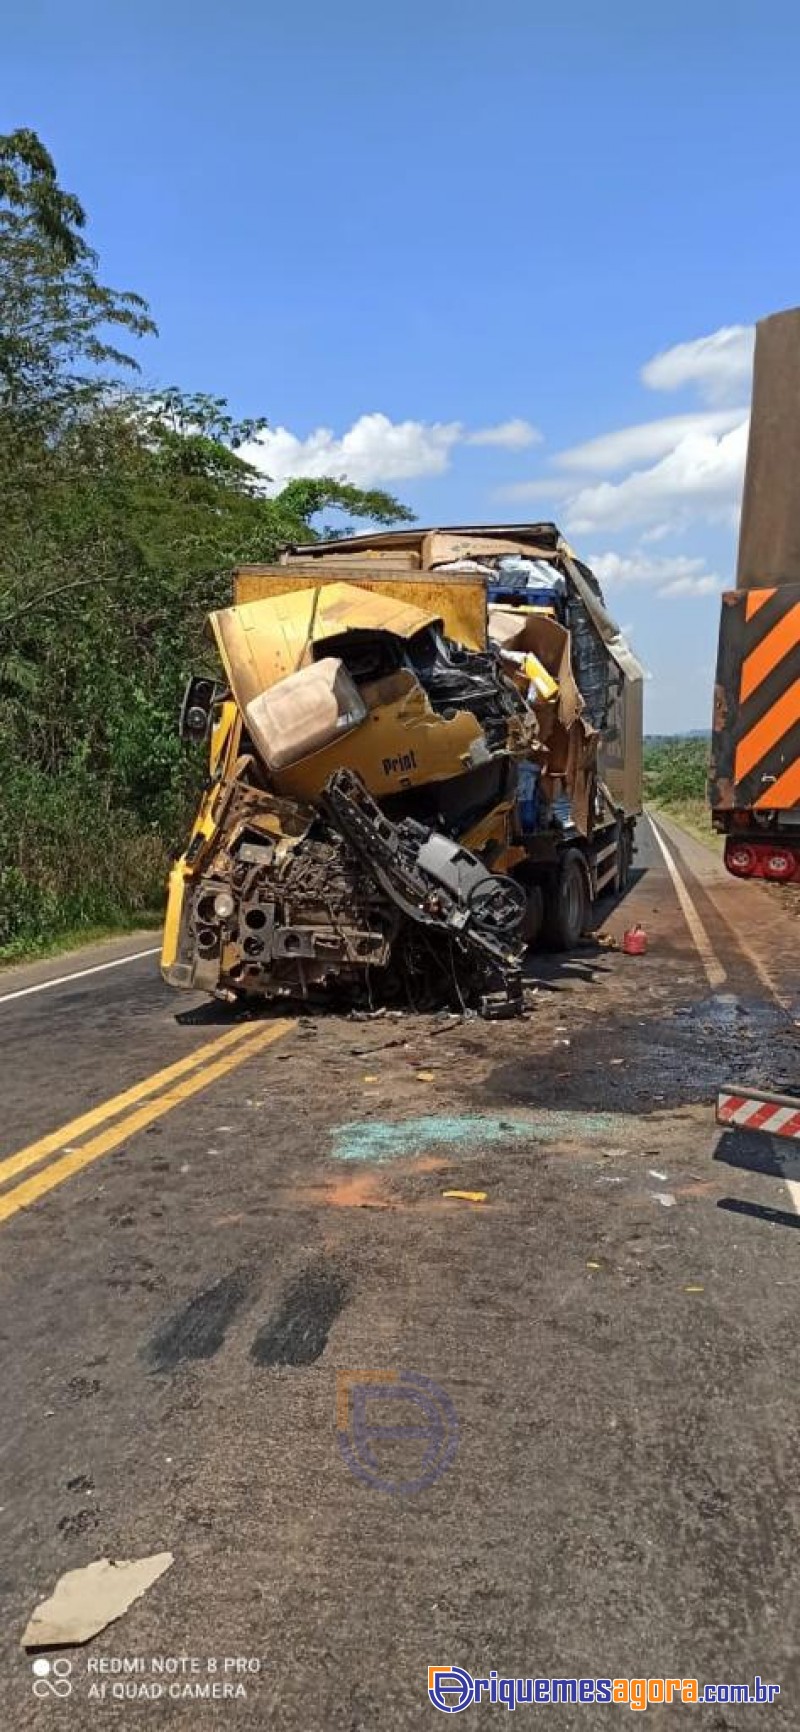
{"type": "Point", "coordinates": [426, 1076]}
{"type": "Point", "coordinates": [634, 942]}
{"type": "Point", "coordinates": [362, 1051]}
{"type": "Point", "coordinates": [665, 1198]}
{"type": "Point", "coordinates": [85, 1601]}
{"type": "Point", "coordinates": [653, 1173]}
{"type": "Point", "coordinates": [468, 1196]}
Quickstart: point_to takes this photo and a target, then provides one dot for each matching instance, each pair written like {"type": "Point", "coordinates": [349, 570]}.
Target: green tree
{"type": "Point", "coordinates": [123, 512]}
{"type": "Point", "coordinates": [56, 318]}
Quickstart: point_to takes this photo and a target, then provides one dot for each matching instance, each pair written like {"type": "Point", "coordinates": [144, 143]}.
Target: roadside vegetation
{"type": "Point", "coordinates": [123, 510]}
{"type": "Point", "coordinates": [676, 778]}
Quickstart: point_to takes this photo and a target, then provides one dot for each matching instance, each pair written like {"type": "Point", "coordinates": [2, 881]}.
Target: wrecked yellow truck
{"type": "Point", "coordinates": [425, 752]}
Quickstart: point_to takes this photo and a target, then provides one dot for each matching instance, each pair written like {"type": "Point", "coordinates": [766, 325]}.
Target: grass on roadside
{"type": "Point", "coordinates": [675, 782]}
{"type": "Point", "coordinates": [31, 949]}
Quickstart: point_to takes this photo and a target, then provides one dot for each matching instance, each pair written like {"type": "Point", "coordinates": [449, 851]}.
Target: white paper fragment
{"type": "Point", "coordinates": [84, 1601]}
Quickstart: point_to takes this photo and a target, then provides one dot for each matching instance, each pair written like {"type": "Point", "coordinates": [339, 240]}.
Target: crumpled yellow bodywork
{"type": "Point", "coordinates": [260, 642]}
{"type": "Point", "coordinates": [402, 743]}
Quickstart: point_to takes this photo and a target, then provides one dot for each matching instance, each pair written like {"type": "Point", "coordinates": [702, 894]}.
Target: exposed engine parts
{"type": "Point", "coordinates": [440, 886]}
{"type": "Point", "coordinates": [284, 916]}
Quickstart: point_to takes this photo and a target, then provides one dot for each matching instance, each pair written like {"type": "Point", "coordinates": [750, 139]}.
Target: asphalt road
{"type": "Point", "coordinates": [204, 1219]}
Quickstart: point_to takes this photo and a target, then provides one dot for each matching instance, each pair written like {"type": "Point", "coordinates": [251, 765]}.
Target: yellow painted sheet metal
{"type": "Point", "coordinates": [260, 642]}
{"type": "Point", "coordinates": [401, 744]}
{"type": "Point", "coordinates": [458, 599]}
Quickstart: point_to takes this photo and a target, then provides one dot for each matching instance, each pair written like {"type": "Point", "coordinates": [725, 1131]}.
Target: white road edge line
{"type": "Point", "coordinates": [79, 974]}
{"type": "Point", "coordinates": [715, 972]}
{"type": "Point", "coordinates": [713, 967]}
{"type": "Point", "coordinates": [781, 999]}
{"type": "Point", "coordinates": [793, 1187]}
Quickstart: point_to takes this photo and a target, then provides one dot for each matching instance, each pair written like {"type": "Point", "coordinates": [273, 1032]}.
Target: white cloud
{"type": "Point", "coordinates": [658, 477]}
{"type": "Point", "coordinates": [707, 585]}
{"type": "Point", "coordinates": [372, 451]}
{"type": "Point", "coordinates": [512, 435]}
{"type": "Point", "coordinates": [719, 365]}
{"type": "Point", "coordinates": [548, 487]}
{"type": "Point", "coordinates": [644, 442]}
{"type": "Point", "coordinates": [659, 532]}
{"type": "Point", "coordinates": [668, 574]}
{"type": "Point", "coordinates": [700, 479]}
{"type": "Point", "coordinates": [375, 449]}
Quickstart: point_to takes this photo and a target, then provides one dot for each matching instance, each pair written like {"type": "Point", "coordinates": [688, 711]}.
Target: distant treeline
{"type": "Point", "coordinates": [676, 770]}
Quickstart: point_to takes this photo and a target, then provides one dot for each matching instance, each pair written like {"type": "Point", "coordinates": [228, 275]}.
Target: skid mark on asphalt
{"type": "Point", "coordinates": [198, 1330]}
{"type": "Point", "coordinates": [297, 1333]}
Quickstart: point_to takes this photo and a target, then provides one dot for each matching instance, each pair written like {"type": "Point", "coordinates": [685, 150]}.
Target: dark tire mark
{"type": "Point", "coordinates": [82, 1522]}
{"type": "Point", "coordinates": [81, 1482]}
{"type": "Point", "coordinates": [83, 1388]}
{"type": "Point", "coordinates": [297, 1333]}
{"type": "Point", "coordinates": [198, 1330]}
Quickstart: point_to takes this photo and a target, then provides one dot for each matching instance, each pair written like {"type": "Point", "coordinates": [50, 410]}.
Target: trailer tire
{"type": "Point", "coordinates": [566, 904]}
{"type": "Point", "coordinates": [534, 914]}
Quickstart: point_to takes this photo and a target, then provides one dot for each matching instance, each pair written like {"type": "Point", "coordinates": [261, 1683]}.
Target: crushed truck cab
{"type": "Point", "coordinates": [403, 766]}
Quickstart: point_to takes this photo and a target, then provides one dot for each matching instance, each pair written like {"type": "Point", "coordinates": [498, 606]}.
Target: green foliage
{"type": "Point", "coordinates": [305, 497]}
{"type": "Point", "coordinates": [57, 318]}
{"type": "Point", "coordinates": [676, 780]}
{"type": "Point", "coordinates": [69, 862]}
{"type": "Point", "coordinates": [122, 513]}
{"type": "Point", "coordinates": [676, 769]}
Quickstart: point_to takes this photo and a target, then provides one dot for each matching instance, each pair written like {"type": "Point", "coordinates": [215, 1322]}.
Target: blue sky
{"type": "Point", "coordinates": [451, 237]}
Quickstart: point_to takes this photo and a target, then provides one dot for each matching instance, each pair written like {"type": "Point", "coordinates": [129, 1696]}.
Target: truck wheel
{"type": "Point", "coordinates": [566, 905]}
{"type": "Point", "coordinates": [534, 913]}
{"type": "Point", "coordinates": [534, 904]}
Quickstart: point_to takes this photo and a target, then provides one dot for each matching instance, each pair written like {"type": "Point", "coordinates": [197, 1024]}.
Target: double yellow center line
{"type": "Point", "coordinates": [159, 1093]}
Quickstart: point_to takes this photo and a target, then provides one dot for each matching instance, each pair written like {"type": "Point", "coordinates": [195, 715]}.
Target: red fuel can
{"type": "Point", "coordinates": [634, 942]}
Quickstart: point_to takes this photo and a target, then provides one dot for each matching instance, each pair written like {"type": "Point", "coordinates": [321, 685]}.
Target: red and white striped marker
{"type": "Point", "coordinates": [756, 1110]}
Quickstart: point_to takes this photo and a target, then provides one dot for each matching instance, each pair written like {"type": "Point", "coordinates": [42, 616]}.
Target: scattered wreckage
{"type": "Point", "coordinates": [426, 752]}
